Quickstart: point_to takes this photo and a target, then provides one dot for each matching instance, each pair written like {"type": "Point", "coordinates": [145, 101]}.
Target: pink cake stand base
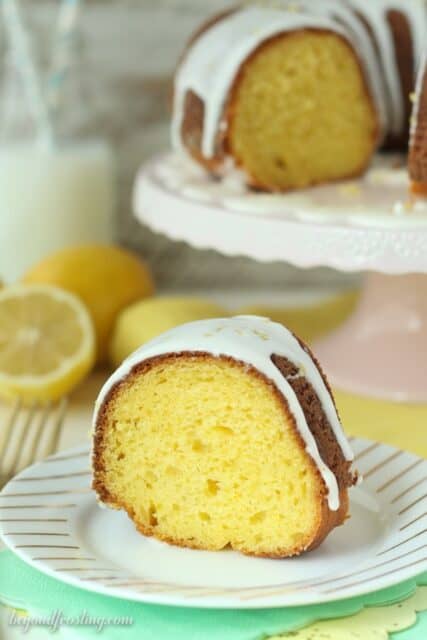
{"type": "Point", "coordinates": [381, 351]}
{"type": "Point", "coordinates": [369, 224]}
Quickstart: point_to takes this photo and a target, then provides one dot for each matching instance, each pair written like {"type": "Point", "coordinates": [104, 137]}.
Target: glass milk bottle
{"type": "Point", "coordinates": [52, 193]}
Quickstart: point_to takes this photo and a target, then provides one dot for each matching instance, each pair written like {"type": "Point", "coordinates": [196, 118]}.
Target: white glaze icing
{"type": "Point", "coordinates": [251, 340]}
{"type": "Point", "coordinates": [213, 61]}
{"type": "Point", "coordinates": [375, 14]}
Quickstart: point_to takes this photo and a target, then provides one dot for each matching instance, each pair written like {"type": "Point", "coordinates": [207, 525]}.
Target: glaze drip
{"type": "Point", "coordinates": [252, 340]}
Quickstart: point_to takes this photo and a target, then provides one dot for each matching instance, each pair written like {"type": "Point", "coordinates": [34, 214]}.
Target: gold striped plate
{"type": "Point", "coordinates": [50, 518]}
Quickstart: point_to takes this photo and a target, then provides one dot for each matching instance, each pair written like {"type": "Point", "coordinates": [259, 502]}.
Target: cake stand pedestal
{"type": "Point", "coordinates": [381, 350]}
{"type": "Point", "coordinates": [361, 225]}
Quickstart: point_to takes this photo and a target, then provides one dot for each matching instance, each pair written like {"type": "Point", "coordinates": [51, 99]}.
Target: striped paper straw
{"type": "Point", "coordinates": [63, 53]}
{"type": "Point", "coordinates": [21, 48]}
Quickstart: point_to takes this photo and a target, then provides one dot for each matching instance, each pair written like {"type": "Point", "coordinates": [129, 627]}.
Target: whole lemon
{"type": "Point", "coordinates": [106, 278]}
{"type": "Point", "coordinates": [147, 319]}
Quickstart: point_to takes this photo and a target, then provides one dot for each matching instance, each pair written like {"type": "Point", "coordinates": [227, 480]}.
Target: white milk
{"type": "Point", "coordinates": [50, 199]}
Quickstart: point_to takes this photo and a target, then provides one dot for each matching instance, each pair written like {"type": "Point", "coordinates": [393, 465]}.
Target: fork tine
{"type": "Point", "coordinates": [20, 450]}
{"type": "Point", "coordinates": [9, 427]}
{"type": "Point", "coordinates": [29, 455]}
{"type": "Point", "coordinates": [14, 466]}
{"type": "Point", "coordinates": [6, 437]}
{"type": "Point", "coordinates": [53, 439]}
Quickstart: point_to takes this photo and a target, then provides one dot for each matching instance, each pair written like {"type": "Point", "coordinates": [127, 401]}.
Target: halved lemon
{"type": "Point", "coordinates": [47, 342]}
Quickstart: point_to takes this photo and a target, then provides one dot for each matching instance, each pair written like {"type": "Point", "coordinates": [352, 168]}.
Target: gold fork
{"type": "Point", "coordinates": [30, 434]}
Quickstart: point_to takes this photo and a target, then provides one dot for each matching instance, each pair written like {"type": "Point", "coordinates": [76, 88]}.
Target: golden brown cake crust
{"type": "Point", "coordinates": [419, 188]}
{"type": "Point", "coordinates": [192, 133]}
{"type": "Point", "coordinates": [323, 435]}
{"type": "Point", "coordinates": [404, 54]}
{"type": "Point", "coordinates": [317, 422]}
{"type": "Point", "coordinates": [403, 47]}
{"type": "Point", "coordinates": [418, 150]}
{"type": "Point", "coordinates": [192, 126]}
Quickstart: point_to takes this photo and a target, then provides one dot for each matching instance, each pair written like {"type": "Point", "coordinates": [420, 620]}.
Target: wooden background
{"type": "Point", "coordinates": [130, 50]}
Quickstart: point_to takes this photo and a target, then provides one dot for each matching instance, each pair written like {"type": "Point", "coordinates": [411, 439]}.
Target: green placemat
{"type": "Point", "coordinates": [407, 617]}
{"type": "Point", "coordinates": [23, 587]}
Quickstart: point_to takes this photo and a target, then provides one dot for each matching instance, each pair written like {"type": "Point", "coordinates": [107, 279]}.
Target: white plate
{"type": "Point", "coordinates": [50, 518]}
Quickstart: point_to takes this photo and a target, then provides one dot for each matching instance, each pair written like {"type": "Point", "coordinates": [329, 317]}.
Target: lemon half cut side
{"type": "Point", "coordinates": [47, 342]}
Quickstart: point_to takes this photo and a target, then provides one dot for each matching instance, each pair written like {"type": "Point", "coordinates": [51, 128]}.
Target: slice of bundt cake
{"type": "Point", "coordinates": [283, 94]}
{"type": "Point", "coordinates": [418, 143]}
{"type": "Point", "coordinates": [224, 433]}
{"type": "Point", "coordinates": [299, 93]}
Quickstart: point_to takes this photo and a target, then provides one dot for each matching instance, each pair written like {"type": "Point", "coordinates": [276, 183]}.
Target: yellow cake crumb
{"type": "Point", "coordinates": [300, 113]}
{"type": "Point", "coordinates": [209, 459]}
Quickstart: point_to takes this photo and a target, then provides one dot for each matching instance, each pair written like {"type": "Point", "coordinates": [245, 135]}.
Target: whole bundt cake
{"type": "Point", "coordinates": [224, 433]}
{"type": "Point", "coordinates": [299, 93]}
{"type": "Point", "coordinates": [418, 141]}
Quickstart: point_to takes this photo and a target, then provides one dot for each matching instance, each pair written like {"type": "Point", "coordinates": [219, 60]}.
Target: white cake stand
{"type": "Point", "coordinates": [368, 225]}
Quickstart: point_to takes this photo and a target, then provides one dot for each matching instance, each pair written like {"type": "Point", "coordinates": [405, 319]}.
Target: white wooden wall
{"type": "Point", "coordinates": [131, 48]}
